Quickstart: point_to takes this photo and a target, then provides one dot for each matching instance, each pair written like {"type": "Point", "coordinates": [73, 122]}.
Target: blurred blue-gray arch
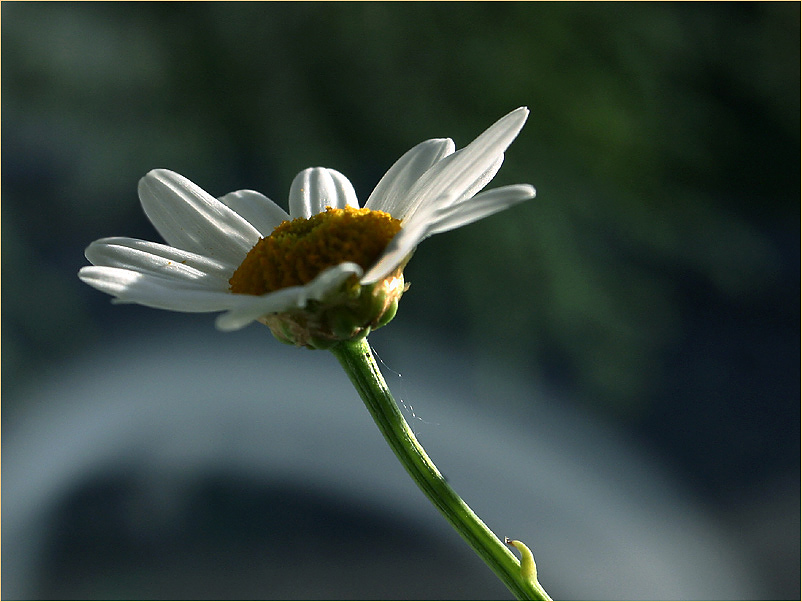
{"type": "Point", "coordinates": [168, 410]}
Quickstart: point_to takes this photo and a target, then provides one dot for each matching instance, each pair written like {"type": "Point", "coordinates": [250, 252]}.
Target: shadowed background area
{"type": "Point", "coordinates": [647, 300]}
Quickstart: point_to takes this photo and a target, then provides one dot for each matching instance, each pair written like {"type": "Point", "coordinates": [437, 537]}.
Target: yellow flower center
{"type": "Point", "coordinates": [298, 250]}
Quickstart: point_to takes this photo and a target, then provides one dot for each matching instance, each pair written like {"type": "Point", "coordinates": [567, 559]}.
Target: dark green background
{"type": "Point", "coordinates": [654, 279]}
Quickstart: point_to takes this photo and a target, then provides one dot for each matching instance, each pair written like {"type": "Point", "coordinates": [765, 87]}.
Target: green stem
{"type": "Point", "coordinates": [358, 362]}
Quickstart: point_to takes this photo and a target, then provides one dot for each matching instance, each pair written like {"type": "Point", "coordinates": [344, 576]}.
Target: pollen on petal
{"type": "Point", "coordinates": [300, 249]}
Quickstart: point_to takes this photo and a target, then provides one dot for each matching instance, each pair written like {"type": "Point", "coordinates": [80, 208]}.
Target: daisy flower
{"type": "Point", "coordinates": [328, 270]}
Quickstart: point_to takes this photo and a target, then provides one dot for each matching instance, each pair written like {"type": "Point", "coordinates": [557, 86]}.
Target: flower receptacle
{"type": "Point", "coordinates": [347, 314]}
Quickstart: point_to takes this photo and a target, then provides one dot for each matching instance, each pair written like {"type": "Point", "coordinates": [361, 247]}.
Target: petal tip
{"type": "Point", "coordinates": [523, 110]}
{"type": "Point", "coordinates": [158, 173]}
{"type": "Point", "coordinates": [521, 114]}
{"type": "Point", "coordinates": [532, 190]}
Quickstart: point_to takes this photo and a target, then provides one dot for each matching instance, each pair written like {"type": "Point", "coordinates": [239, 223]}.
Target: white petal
{"type": "Point", "coordinates": [287, 298]}
{"type": "Point", "coordinates": [482, 205]}
{"type": "Point", "coordinates": [316, 188]}
{"type": "Point", "coordinates": [191, 219]}
{"type": "Point", "coordinates": [458, 174]}
{"type": "Point", "coordinates": [331, 278]}
{"type": "Point", "coordinates": [129, 286]}
{"type": "Point", "coordinates": [159, 260]}
{"type": "Point", "coordinates": [254, 307]}
{"type": "Point", "coordinates": [482, 181]}
{"type": "Point", "coordinates": [394, 186]}
{"type": "Point", "coordinates": [258, 210]}
{"type": "Point", "coordinates": [346, 195]}
{"type": "Point", "coordinates": [400, 246]}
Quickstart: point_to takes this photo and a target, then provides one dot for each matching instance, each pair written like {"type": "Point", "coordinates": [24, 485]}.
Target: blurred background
{"type": "Point", "coordinates": [631, 333]}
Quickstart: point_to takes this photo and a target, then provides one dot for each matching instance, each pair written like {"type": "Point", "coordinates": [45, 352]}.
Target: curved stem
{"type": "Point", "coordinates": [358, 362]}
